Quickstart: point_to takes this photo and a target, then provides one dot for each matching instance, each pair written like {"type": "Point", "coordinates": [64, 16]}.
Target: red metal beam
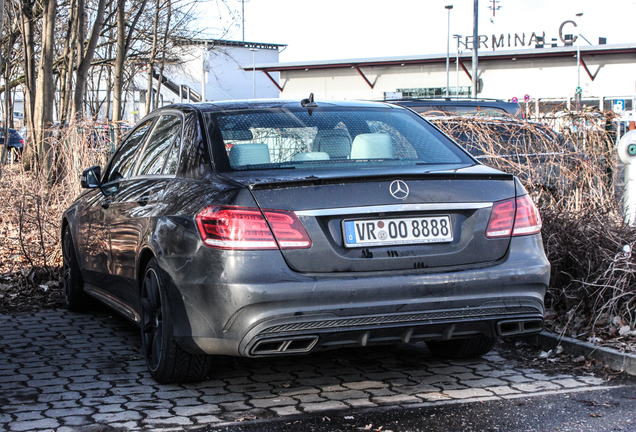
{"type": "Point", "coordinates": [586, 69]}
{"type": "Point", "coordinates": [543, 53]}
{"type": "Point", "coordinates": [470, 77]}
{"type": "Point", "coordinates": [363, 76]}
{"type": "Point", "coordinates": [280, 89]}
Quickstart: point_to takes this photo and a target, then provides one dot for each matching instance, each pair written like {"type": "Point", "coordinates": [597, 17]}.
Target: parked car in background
{"type": "Point", "coordinates": [272, 228]}
{"type": "Point", "coordinates": [540, 157]}
{"type": "Point", "coordinates": [438, 107]}
{"type": "Point", "coordinates": [15, 144]}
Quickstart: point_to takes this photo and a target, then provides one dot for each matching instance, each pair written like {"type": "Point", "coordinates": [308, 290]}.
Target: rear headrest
{"type": "Point", "coordinates": [336, 142]}
{"type": "Point", "coordinates": [249, 154]}
{"type": "Point", "coordinates": [372, 146]}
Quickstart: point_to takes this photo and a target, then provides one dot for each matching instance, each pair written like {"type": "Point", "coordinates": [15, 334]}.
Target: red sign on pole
{"type": "Point", "coordinates": [515, 100]}
{"type": "Point", "coordinates": [526, 98]}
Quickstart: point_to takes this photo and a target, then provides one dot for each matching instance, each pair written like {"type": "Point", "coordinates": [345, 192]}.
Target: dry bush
{"type": "Point", "coordinates": [31, 213]}
{"type": "Point", "coordinates": [575, 177]}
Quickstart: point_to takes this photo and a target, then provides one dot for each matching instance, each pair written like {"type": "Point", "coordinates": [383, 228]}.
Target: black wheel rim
{"type": "Point", "coordinates": [66, 265]}
{"type": "Point", "coordinates": [151, 319]}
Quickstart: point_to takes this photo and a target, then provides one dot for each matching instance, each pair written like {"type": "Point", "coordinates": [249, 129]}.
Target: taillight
{"type": "Point", "coordinates": [226, 227]}
{"type": "Point", "coordinates": [502, 219]}
{"type": "Point", "coordinates": [513, 217]}
{"type": "Point", "coordinates": [527, 220]}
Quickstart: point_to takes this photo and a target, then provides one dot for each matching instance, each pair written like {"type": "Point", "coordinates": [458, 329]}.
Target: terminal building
{"type": "Point", "coordinates": [545, 76]}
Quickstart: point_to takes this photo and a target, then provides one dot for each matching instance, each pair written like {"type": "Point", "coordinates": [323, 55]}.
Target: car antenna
{"type": "Point", "coordinates": [309, 103]}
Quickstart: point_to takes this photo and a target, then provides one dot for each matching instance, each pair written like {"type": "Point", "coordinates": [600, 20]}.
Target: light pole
{"type": "Point", "coordinates": [475, 45]}
{"type": "Point", "coordinates": [578, 64]}
{"type": "Point", "coordinates": [448, 8]}
{"type": "Point", "coordinates": [253, 72]}
{"type": "Point", "coordinates": [458, 36]}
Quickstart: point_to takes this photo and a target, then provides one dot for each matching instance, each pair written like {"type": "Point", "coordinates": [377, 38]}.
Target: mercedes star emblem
{"type": "Point", "coordinates": [399, 189]}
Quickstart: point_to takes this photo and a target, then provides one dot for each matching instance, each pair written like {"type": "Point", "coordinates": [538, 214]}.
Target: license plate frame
{"type": "Point", "coordinates": [397, 231]}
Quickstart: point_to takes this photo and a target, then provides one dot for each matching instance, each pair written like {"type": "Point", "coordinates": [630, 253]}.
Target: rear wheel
{"type": "Point", "coordinates": [166, 360]}
{"type": "Point", "coordinates": [74, 295]}
{"type": "Point", "coordinates": [462, 348]}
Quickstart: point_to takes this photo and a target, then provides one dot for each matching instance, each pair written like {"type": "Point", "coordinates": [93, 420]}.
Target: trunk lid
{"type": "Point", "coordinates": [329, 203]}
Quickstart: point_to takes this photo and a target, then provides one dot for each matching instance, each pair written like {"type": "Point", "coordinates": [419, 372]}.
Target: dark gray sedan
{"type": "Point", "coordinates": [269, 228]}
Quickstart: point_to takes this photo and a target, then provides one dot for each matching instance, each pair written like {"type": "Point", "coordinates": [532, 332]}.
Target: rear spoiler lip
{"type": "Point", "coordinates": [273, 183]}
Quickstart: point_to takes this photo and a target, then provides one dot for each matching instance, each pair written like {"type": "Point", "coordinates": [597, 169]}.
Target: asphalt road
{"type": "Point", "coordinates": [84, 372]}
{"type": "Point", "coordinates": [595, 411]}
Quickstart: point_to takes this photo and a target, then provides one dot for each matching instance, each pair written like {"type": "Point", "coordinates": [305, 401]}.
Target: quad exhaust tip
{"type": "Point", "coordinates": [285, 345]}
{"type": "Point", "coordinates": [515, 327]}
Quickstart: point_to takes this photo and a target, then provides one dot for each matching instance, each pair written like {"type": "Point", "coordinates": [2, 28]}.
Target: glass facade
{"type": "Point", "coordinates": [427, 92]}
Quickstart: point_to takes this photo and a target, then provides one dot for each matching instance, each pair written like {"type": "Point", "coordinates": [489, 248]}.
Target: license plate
{"type": "Point", "coordinates": [377, 232]}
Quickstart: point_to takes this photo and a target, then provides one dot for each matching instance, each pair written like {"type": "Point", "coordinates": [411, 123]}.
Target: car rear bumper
{"type": "Point", "coordinates": [258, 307]}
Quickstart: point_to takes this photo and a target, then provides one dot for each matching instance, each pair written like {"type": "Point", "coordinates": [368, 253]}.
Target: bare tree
{"type": "Point", "coordinates": [86, 57]}
{"type": "Point", "coordinates": [27, 15]}
{"type": "Point", "coordinates": [123, 45]}
{"type": "Point", "coordinates": [45, 90]}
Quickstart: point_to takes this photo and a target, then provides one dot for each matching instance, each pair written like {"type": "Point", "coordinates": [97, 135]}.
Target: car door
{"type": "Point", "coordinates": [138, 199]}
{"type": "Point", "coordinates": [94, 222]}
{"type": "Point", "coordinates": [93, 241]}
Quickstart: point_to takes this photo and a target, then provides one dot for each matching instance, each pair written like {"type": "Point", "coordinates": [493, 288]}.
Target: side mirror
{"type": "Point", "coordinates": [91, 177]}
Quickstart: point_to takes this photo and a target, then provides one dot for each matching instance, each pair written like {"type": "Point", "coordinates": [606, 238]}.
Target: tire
{"type": "Point", "coordinates": [76, 299]}
{"type": "Point", "coordinates": [456, 349]}
{"type": "Point", "coordinates": [167, 362]}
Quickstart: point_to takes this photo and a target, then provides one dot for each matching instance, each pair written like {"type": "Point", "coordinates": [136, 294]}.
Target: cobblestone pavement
{"type": "Point", "coordinates": [65, 371]}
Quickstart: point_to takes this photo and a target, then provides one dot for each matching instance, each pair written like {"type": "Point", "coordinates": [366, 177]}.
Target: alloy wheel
{"type": "Point", "coordinates": [152, 319]}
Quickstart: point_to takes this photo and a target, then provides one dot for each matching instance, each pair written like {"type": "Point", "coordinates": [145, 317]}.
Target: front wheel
{"type": "Point", "coordinates": [166, 360]}
{"type": "Point", "coordinates": [456, 349]}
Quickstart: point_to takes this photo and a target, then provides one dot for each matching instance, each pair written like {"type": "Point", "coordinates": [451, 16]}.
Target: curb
{"type": "Point", "coordinates": [618, 361]}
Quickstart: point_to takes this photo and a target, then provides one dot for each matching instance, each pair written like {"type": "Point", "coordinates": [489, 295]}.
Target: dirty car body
{"type": "Point", "coordinates": [264, 228]}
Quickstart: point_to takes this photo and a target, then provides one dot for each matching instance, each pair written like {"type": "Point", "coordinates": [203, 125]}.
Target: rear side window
{"type": "Point", "coordinates": [124, 160]}
{"type": "Point", "coordinates": [165, 137]}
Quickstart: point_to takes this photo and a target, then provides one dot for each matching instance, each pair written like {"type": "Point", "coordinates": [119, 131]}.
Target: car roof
{"type": "Point", "coordinates": [246, 104]}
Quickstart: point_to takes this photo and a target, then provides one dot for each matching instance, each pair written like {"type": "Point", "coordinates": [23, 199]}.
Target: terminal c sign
{"type": "Point", "coordinates": [515, 40]}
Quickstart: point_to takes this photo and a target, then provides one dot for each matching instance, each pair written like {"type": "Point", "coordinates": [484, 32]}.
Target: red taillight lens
{"type": "Point", "coordinates": [514, 217]}
{"type": "Point", "coordinates": [246, 228]}
{"type": "Point", "coordinates": [527, 220]}
{"type": "Point", "coordinates": [502, 218]}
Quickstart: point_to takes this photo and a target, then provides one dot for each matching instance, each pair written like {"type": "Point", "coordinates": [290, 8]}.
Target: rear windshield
{"type": "Point", "coordinates": [327, 138]}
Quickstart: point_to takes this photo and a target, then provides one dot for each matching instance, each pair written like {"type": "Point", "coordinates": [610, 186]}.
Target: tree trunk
{"type": "Point", "coordinates": [45, 90]}
{"type": "Point", "coordinates": [109, 83]}
{"type": "Point", "coordinates": [163, 54]}
{"type": "Point", "coordinates": [119, 60]}
{"type": "Point", "coordinates": [123, 44]}
{"type": "Point", "coordinates": [68, 57]}
{"type": "Point", "coordinates": [151, 61]}
{"type": "Point", "coordinates": [27, 21]}
{"type": "Point", "coordinates": [86, 59]}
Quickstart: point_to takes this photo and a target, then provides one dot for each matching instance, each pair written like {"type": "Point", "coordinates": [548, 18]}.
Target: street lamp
{"type": "Point", "coordinates": [578, 52]}
{"type": "Point", "coordinates": [253, 72]}
{"type": "Point", "coordinates": [448, 8]}
{"type": "Point", "coordinates": [458, 36]}
{"type": "Point", "coordinates": [578, 64]}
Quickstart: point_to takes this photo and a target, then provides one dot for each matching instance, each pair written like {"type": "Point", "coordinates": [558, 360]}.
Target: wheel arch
{"type": "Point", "coordinates": [67, 223]}
{"type": "Point", "coordinates": [145, 256]}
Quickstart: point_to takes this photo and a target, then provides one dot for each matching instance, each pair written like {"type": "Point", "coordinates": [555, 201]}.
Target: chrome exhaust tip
{"type": "Point", "coordinates": [302, 344]}
{"type": "Point", "coordinates": [516, 327]}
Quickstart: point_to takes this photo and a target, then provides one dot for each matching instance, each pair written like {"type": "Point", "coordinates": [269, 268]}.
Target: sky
{"type": "Point", "coordinates": [347, 29]}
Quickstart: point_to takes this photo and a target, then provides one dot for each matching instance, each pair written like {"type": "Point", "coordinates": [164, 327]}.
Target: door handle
{"type": "Point", "coordinates": [106, 204]}
{"type": "Point", "coordinates": [143, 200]}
